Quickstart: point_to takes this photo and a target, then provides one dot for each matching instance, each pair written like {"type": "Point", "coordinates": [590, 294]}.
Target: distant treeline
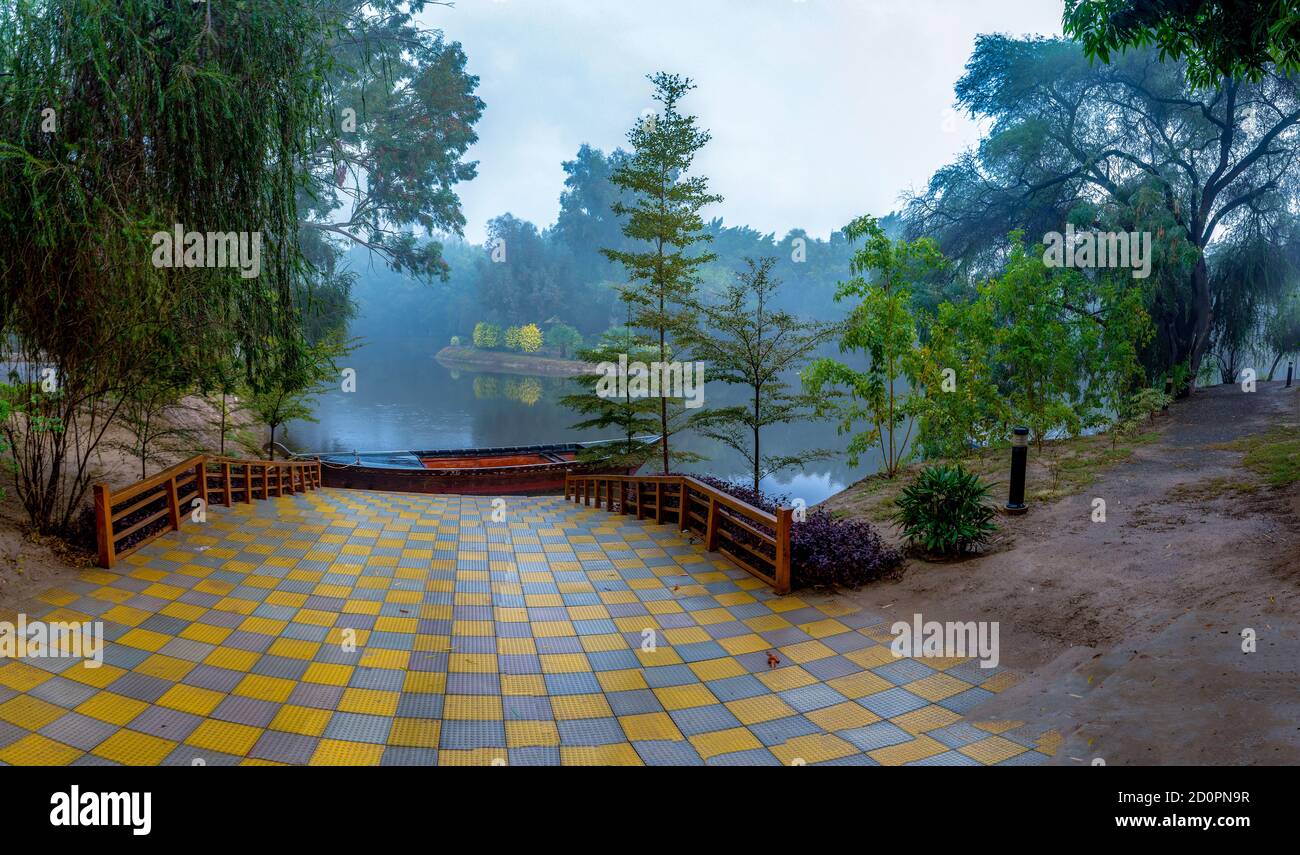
{"type": "Point", "coordinates": [557, 274]}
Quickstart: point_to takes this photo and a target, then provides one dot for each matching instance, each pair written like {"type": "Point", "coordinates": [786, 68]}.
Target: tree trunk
{"type": "Point", "coordinates": [1202, 312]}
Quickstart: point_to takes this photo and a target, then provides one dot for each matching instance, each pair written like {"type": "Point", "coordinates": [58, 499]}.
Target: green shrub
{"type": "Point", "coordinates": [945, 511]}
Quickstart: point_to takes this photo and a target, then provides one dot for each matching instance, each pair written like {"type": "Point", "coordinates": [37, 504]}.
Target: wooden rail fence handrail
{"type": "Point", "coordinates": [127, 511]}
{"type": "Point", "coordinates": [756, 540]}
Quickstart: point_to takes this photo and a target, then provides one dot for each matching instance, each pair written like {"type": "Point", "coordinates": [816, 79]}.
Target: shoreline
{"type": "Point", "coordinates": [511, 363]}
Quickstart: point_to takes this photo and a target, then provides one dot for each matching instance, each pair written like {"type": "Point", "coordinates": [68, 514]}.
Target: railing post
{"type": "Point", "coordinates": [711, 528]}
{"type": "Point", "coordinates": [248, 483]}
{"type": "Point", "coordinates": [173, 505]}
{"type": "Point", "coordinates": [659, 502]}
{"type": "Point", "coordinates": [609, 496]}
{"type": "Point", "coordinates": [104, 524]}
{"type": "Point", "coordinates": [225, 482]}
{"type": "Point", "coordinates": [640, 514]}
{"type": "Point", "coordinates": [783, 516]}
{"type": "Point", "coordinates": [682, 510]}
{"type": "Point", "coordinates": [201, 479]}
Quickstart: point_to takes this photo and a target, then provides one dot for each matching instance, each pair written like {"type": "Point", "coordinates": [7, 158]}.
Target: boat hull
{"type": "Point", "coordinates": [476, 472]}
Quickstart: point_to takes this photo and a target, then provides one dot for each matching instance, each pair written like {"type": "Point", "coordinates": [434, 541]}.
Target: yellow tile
{"type": "Point", "coordinates": [415, 732]}
{"type": "Point", "coordinates": [806, 651]}
{"type": "Point", "coordinates": [224, 737]}
{"type": "Point", "coordinates": [126, 615]}
{"type": "Point", "coordinates": [871, 657]}
{"type": "Point", "coordinates": [327, 674]}
{"type": "Point", "coordinates": [684, 697]}
{"type": "Point", "coordinates": [305, 720]}
{"type": "Point", "coordinates": [687, 635]}
{"type": "Point", "coordinates": [473, 757]}
{"type": "Point", "coordinates": [369, 701]}
{"type": "Point", "coordinates": [649, 726]}
{"type": "Point", "coordinates": [823, 628]}
{"type": "Point", "coordinates": [429, 682]}
{"type": "Point", "coordinates": [992, 750]}
{"type": "Point", "coordinates": [265, 688]}
{"type": "Point", "coordinates": [813, 748]}
{"type": "Point", "coordinates": [337, 752]}
{"type": "Point", "coordinates": [472, 708]}
{"type": "Point", "coordinates": [926, 719]}
{"type": "Point", "coordinates": [29, 713]}
{"type": "Point", "coordinates": [936, 687]}
{"type": "Point", "coordinates": [166, 667]}
{"type": "Point", "coordinates": [135, 749]}
{"type": "Point", "coordinates": [1050, 742]}
{"type": "Point", "coordinates": [740, 644]}
{"type": "Point", "coordinates": [580, 706]}
{"type": "Point", "coordinates": [263, 626]}
{"type": "Point", "coordinates": [1000, 681]}
{"type": "Point", "coordinates": [205, 633]}
{"type": "Point", "coordinates": [35, 750]}
{"type": "Point", "coordinates": [472, 663]}
{"type": "Point", "coordinates": [784, 679]}
{"type": "Point", "coordinates": [908, 752]}
{"type": "Point", "coordinates": [565, 663]}
{"type": "Point", "coordinates": [532, 685]}
{"type": "Point", "coordinates": [20, 676]}
{"type": "Point", "coordinates": [718, 742]}
{"type": "Point", "coordinates": [395, 660]}
{"type": "Point", "coordinates": [98, 676]}
{"type": "Point", "coordinates": [112, 708]}
{"type": "Point", "coordinates": [191, 699]}
{"type": "Point", "coordinates": [859, 685]}
{"type": "Point", "coordinates": [717, 669]}
{"type": "Point", "coordinates": [293, 648]}
{"type": "Point", "coordinates": [232, 658]}
{"type": "Point", "coordinates": [525, 734]}
{"type": "Point", "coordinates": [842, 716]}
{"type": "Point", "coordinates": [619, 754]}
{"type": "Point", "coordinates": [622, 680]}
{"type": "Point", "coordinates": [760, 708]}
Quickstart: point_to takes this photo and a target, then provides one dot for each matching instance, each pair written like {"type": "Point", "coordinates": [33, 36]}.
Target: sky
{"type": "Point", "coordinates": [820, 110]}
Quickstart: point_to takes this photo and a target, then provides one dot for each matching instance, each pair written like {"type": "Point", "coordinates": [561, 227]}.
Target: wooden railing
{"type": "Point", "coordinates": [757, 541]}
{"type": "Point", "coordinates": [128, 518]}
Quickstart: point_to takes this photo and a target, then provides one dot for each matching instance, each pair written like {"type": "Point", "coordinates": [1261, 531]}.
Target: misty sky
{"type": "Point", "coordinates": [820, 110]}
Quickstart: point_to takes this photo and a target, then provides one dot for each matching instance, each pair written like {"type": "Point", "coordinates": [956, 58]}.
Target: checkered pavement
{"type": "Point", "coordinates": [350, 627]}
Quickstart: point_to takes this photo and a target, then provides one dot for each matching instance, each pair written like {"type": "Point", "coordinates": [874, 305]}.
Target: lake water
{"type": "Point", "coordinates": [405, 399]}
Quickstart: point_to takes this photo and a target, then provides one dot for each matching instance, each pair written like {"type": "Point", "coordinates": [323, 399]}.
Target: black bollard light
{"type": "Point", "coordinates": [1290, 367]}
{"type": "Point", "coordinates": [1019, 456]}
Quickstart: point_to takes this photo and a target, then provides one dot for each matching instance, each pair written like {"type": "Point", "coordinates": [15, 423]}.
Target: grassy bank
{"type": "Point", "coordinates": [511, 363]}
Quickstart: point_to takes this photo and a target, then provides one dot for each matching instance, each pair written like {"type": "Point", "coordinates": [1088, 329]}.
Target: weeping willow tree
{"type": "Point", "coordinates": [120, 119]}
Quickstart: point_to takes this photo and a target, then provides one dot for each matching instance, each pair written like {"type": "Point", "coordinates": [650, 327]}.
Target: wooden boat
{"type": "Point", "coordinates": [513, 470]}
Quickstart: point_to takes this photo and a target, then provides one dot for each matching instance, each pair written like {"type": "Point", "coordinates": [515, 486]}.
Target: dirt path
{"type": "Point", "coordinates": [1131, 627]}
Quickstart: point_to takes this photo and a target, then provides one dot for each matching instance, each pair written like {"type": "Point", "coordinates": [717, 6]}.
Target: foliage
{"type": "Point", "coordinates": [511, 339]}
{"type": "Point", "coordinates": [290, 397]}
{"type": "Point", "coordinates": [824, 550]}
{"type": "Point", "coordinates": [401, 113]}
{"type": "Point", "coordinates": [746, 342]}
{"type": "Point", "coordinates": [945, 511]}
{"type": "Point", "coordinates": [1127, 146]}
{"type": "Point", "coordinates": [486, 335]}
{"type": "Point", "coordinates": [632, 416]}
{"type": "Point", "coordinates": [883, 327]}
{"type": "Point", "coordinates": [530, 338]}
{"type": "Point", "coordinates": [1282, 330]}
{"type": "Point", "coordinates": [961, 407]}
{"type": "Point", "coordinates": [148, 413]}
{"type": "Point", "coordinates": [1218, 38]}
{"type": "Point", "coordinates": [662, 215]}
{"type": "Point", "coordinates": [564, 338]}
{"type": "Point", "coordinates": [82, 198]}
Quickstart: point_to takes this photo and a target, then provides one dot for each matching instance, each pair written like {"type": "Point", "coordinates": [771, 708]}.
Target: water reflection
{"type": "Point", "coordinates": [405, 399]}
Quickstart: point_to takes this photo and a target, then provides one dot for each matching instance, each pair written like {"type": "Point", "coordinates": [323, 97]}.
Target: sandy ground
{"type": "Point", "coordinates": [1131, 628]}
{"type": "Point", "coordinates": [31, 564]}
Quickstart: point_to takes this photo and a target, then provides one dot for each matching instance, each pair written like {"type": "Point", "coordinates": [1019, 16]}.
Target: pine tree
{"type": "Point", "coordinates": [663, 215]}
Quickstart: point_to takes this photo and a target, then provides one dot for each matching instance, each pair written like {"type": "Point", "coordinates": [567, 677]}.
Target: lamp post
{"type": "Point", "coordinates": [1290, 367]}
{"type": "Point", "coordinates": [1019, 457]}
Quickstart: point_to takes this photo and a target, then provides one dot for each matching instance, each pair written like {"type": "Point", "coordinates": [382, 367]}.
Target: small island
{"type": "Point", "coordinates": [505, 362]}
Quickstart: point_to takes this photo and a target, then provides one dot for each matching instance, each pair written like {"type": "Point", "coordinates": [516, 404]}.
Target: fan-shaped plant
{"type": "Point", "coordinates": [945, 511]}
